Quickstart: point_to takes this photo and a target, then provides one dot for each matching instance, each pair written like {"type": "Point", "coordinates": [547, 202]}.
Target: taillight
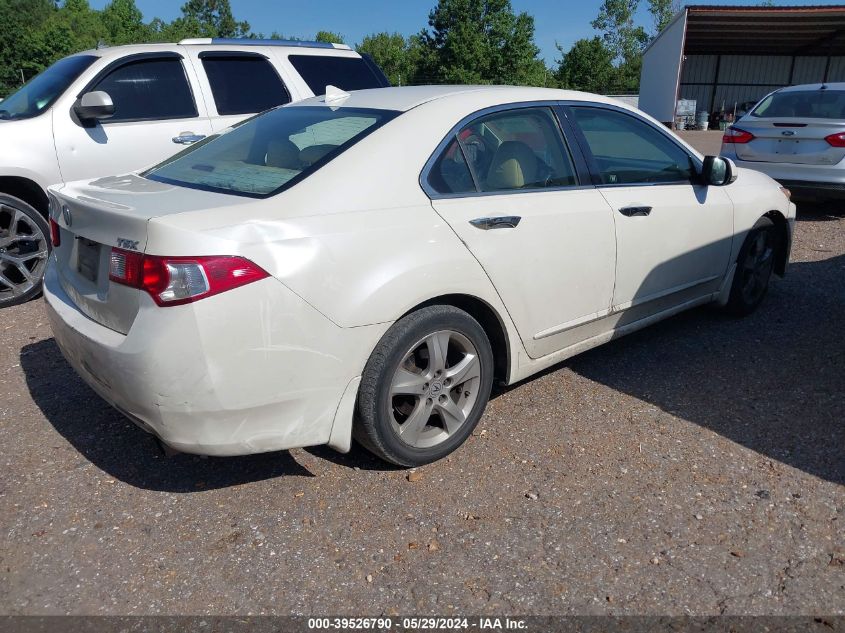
{"type": "Point", "coordinates": [173, 281]}
{"type": "Point", "coordinates": [735, 135]}
{"type": "Point", "coordinates": [55, 234]}
{"type": "Point", "coordinates": [836, 140]}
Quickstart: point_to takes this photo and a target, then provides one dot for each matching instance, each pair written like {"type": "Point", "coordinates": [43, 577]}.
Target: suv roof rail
{"type": "Point", "coordinates": [245, 41]}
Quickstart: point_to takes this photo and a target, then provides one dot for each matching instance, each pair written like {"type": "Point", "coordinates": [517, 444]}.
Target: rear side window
{"type": "Point", "coordinates": [244, 84]}
{"type": "Point", "coordinates": [450, 173]}
{"type": "Point", "coordinates": [149, 89]}
{"type": "Point", "coordinates": [346, 73]}
{"type": "Point", "coordinates": [806, 104]}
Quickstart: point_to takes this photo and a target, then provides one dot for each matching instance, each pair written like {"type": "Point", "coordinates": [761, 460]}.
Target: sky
{"type": "Point", "coordinates": [556, 21]}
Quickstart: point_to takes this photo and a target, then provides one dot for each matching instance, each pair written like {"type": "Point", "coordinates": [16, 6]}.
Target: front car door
{"type": "Point", "coordinates": [155, 107]}
{"type": "Point", "coordinates": [513, 190]}
{"type": "Point", "coordinates": [673, 234]}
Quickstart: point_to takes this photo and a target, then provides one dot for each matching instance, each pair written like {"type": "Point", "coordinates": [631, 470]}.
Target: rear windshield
{"type": "Point", "coordinates": [41, 91]}
{"type": "Point", "coordinates": [807, 104]}
{"type": "Point", "coordinates": [346, 73]}
{"type": "Point", "coordinates": [270, 152]}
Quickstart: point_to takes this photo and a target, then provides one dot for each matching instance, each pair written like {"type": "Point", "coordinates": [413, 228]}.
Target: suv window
{"type": "Point", "coordinates": [517, 150]}
{"type": "Point", "coordinates": [149, 89]}
{"type": "Point", "coordinates": [243, 84]}
{"type": "Point", "coordinates": [271, 152]}
{"type": "Point", "coordinates": [627, 150]}
{"type": "Point", "coordinates": [346, 73]}
{"type": "Point", "coordinates": [39, 93]}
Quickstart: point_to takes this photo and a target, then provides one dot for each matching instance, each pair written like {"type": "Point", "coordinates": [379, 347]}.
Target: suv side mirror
{"type": "Point", "coordinates": [94, 106]}
{"type": "Point", "coordinates": [717, 171]}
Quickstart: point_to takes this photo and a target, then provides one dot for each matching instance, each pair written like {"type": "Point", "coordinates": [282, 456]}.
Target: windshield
{"type": "Point", "coordinates": [272, 151]}
{"type": "Point", "coordinates": [805, 104]}
{"type": "Point", "coordinates": [41, 91]}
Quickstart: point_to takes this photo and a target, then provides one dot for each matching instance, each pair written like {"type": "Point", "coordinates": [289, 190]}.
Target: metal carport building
{"type": "Point", "coordinates": [732, 54]}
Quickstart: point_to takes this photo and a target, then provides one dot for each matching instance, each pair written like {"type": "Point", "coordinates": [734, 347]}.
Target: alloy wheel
{"type": "Point", "coordinates": [23, 253]}
{"type": "Point", "coordinates": [434, 389]}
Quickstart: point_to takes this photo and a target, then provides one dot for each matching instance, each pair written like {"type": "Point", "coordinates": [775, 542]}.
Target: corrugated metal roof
{"type": "Point", "coordinates": [763, 30]}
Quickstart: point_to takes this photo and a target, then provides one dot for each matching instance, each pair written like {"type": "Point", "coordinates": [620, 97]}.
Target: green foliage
{"type": "Point", "coordinates": [662, 12]}
{"type": "Point", "coordinates": [328, 37]}
{"type": "Point", "coordinates": [479, 42]}
{"type": "Point", "coordinates": [587, 66]}
{"type": "Point", "coordinates": [616, 23]}
{"type": "Point", "coordinates": [209, 18]}
{"type": "Point", "coordinates": [399, 57]}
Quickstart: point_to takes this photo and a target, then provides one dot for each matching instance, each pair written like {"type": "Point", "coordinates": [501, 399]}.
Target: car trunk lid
{"type": "Point", "coordinates": [785, 140]}
{"type": "Point", "coordinates": [111, 213]}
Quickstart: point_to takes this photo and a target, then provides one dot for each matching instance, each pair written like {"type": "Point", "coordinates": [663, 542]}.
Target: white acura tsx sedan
{"type": "Point", "coordinates": [366, 265]}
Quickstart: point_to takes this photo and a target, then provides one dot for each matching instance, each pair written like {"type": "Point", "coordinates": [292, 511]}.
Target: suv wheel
{"type": "Point", "coordinates": [24, 248]}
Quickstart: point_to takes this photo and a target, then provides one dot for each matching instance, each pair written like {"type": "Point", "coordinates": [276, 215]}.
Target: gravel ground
{"type": "Point", "coordinates": [695, 467]}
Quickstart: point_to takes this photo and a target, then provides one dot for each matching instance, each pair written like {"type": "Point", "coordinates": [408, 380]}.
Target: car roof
{"type": "Point", "coordinates": [302, 48]}
{"type": "Point", "coordinates": [406, 98]}
{"type": "Point", "coordinates": [806, 87]}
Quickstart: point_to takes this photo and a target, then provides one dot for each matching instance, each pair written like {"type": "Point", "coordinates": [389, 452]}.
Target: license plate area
{"type": "Point", "coordinates": [87, 259]}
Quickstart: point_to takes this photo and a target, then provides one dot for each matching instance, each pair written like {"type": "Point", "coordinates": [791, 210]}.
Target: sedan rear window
{"type": "Point", "coordinates": [806, 104]}
{"type": "Point", "coordinates": [270, 152]}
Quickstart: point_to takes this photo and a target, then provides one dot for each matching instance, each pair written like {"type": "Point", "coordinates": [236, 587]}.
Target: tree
{"type": "Point", "coordinates": [328, 37]}
{"type": "Point", "coordinates": [208, 18]}
{"type": "Point", "coordinates": [587, 66]}
{"type": "Point", "coordinates": [479, 41]}
{"type": "Point", "coordinates": [616, 23]}
{"type": "Point", "coordinates": [124, 23]}
{"type": "Point", "coordinates": [662, 12]}
{"type": "Point", "coordinates": [397, 56]}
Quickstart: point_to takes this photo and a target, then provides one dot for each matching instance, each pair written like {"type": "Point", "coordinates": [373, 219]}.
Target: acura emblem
{"type": "Point", "coordinates": [67, 216]}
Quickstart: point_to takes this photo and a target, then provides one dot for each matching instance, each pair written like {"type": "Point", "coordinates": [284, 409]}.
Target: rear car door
{"type": "Point", "coordinates": [153, 95]}
{"type": "Point", "coordinates": [239, 84]}
{"type": "Point", "coordinates": [673, 235]}
{"type": "Point", "coordinates": [512, 189]}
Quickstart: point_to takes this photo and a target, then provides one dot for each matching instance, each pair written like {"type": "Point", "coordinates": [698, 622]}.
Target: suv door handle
{"type": "Point", "coordinates": [500, 222]}
{"type": "Point", "coordinates": [632, 212]}
{"type": "Point", "coordinates": [188, 138]}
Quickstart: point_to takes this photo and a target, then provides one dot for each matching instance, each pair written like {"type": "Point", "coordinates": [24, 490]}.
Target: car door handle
{"type": "Point", "coordinates": [499, 222]}
{"type": "Point", "coordinates": [632, 212]}
{"type": "Point", "coordinates": [188, 138]}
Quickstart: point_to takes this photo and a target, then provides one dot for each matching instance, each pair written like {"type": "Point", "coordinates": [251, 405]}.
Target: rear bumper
{"type": "Point", "coordinates": [805, 181]}
{"type": "Point", "coordinates": [249, 371]}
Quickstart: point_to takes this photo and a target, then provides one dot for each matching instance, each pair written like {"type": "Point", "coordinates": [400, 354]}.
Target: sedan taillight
{"type": "Point", "coordinates": [836, 140]}
{"type": "Point", "coordinates": [735, 135]}
{"type": "Point", "coordinates": [173, 281]}
{"type": "Point", "coordinates": [55, 233]}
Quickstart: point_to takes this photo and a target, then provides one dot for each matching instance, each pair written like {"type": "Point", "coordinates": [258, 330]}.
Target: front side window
{"type": "Point", "coordinates": [244, 84]}
{"type": "Point", "coordinates": [628, 150]}
{"type": "Point", "coordinates": [346, 73]}
{"type": "Point", "coordinates": [271, 152]}
{"type": "Point", "coordinates": [806, 104]}
{"type": "Point", "coordinates": [41, 91]}
{"type": "Point", "coordinates": [149, 89]}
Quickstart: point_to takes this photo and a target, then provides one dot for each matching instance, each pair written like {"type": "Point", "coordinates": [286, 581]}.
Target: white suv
{"type": "Point", "coordinates": [115, 110]}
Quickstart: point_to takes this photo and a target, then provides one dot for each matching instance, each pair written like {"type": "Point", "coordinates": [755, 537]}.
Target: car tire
{"type": "Point", "coordinates": [754, 267]}
{"type": "Point", "coordinates": [24, 250]}
{"type": "Point", "coordinates": [424, 387]}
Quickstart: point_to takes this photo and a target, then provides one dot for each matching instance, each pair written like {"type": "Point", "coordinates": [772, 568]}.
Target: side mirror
{"type": "Point", "coordinates": [717, 171]}
{"type": "Point", "coordinates": [94, 106]}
